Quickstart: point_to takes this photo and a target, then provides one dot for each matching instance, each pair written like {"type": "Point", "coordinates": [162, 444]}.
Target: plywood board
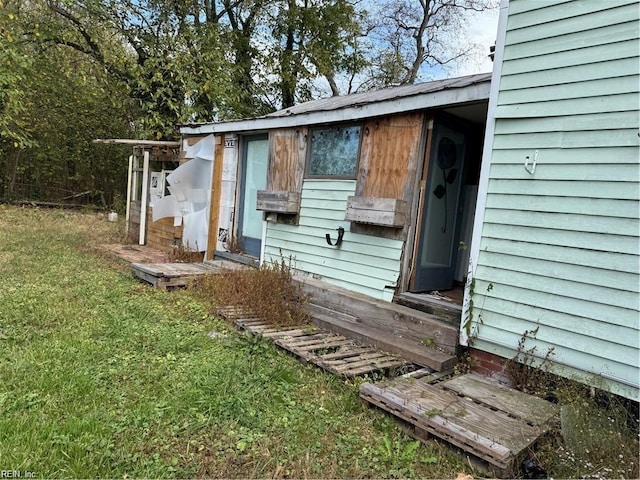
{"type": "Point", "coordinates": [389, 156]}
{"type": "Point", "coordinates": [287, 154]}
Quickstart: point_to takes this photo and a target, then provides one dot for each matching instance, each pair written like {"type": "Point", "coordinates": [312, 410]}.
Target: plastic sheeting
{"type": "Point", "coordinates": [165, 207]}
{"type": "Point", "coordinates": [188, 203]}
{"type": "Point", "coordinates": [228, 190]}
{"type": "Point", "coordinates": [194, 237]}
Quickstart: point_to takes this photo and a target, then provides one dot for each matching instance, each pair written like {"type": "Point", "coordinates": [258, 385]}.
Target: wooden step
{"type": "Point", "coordinates": [168, 275]}
{"type": "Point", "coordinates": [401, 321]}
{"type": "Point", "coordinates": [492, 422]}
{"type": "Point", "coordinates": [431, 304]}
{"type": "Point", "coordinates": [407, 348]}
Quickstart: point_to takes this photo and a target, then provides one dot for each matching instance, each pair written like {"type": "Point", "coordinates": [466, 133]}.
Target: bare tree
{"type": "Point", "coordinates": [407, 35]}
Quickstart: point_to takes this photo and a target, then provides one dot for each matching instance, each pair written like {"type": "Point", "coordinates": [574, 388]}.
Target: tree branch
{"type": "Point", "coordinates": [94, 48]}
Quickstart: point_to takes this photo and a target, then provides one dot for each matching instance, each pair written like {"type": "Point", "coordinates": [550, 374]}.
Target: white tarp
{"type": "Point", "coordinates": [194, 237]}
{"type": "Point", "coordinates": [165, 207]}
{"type": "Point", "coordinates": [189, 185]}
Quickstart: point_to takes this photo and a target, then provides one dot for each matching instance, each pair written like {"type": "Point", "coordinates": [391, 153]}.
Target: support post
{"type": "Point", "coordinates": [129, 187]}
{"type": "Point", "coordinates": [144, 200]}
{"type": "Point", "coordinates": [214, 202]}
{"type": "Point", "coordinates": [134, 178]}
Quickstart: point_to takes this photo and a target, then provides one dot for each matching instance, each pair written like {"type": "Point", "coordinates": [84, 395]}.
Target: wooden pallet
{"type": "Point", "coordinates": [487, 420]}
{"type": "Point", "coordinates": [172, 275]}
{"type": "Point", "coordinates": [329, 351]}
{"type": "Point", "coordinates": [338, 354]}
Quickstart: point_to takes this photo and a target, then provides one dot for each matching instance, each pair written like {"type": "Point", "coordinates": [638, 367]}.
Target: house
{"type": "Point", "coordinates": [390, 194]}
{"type": "Point", "coordinates": [356, 164]}
{"type": "Point", "coordinates": [339, 186]}
{"type": "Point", "coordinates": [555, 250]}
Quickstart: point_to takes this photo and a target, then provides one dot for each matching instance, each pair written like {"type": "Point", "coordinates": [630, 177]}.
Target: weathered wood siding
{"type": "Point", "coordinates": [161, 234]}
{"type": "Point", "coordinates": [559, 253]}
{"type": "Point", "coordinates": [390, 157]}
{"type": "Point", "coordinates": [134, 221]}
{"type": "Point", "coordinates": [362, 263]}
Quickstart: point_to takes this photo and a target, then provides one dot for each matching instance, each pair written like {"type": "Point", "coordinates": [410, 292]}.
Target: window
{"type": "Point", "coordinates": [334, 152]}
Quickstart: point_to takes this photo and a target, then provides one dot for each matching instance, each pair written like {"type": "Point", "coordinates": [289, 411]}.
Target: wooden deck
{"type": "Point", "coordinates": [172, 275]}
{"type": "Point", "coordinates": [493, 423]}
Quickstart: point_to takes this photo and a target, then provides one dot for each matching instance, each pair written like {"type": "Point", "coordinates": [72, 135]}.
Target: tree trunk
{"type": "Point", "coordinates": [14, 173]}
{"type": "Point", "coordinates": [289, 72]}
{"type": "Point", "coordinates": [289, 69]}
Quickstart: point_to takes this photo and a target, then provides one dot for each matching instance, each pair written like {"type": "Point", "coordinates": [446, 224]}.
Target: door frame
{"type": "Point", "coordinates": [433, 120]}
{"type": "Point", "coordinates": [240, 192]}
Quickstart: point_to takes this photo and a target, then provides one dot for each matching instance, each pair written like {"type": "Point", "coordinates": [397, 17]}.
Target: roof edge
{"type": "Point", "coordinates": [450, 95]}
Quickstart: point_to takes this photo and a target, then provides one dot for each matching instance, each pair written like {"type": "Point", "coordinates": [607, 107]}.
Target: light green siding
{"type": "Point", "coordinates": [362, 263]}
{"type": "Point", "coordinates": [560, 249]}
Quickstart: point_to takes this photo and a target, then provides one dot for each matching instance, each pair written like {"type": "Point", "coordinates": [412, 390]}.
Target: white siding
{"type": "Point", "coordinates": [560, 249]}
{"type": "Point", "coordinates": [362, 263]}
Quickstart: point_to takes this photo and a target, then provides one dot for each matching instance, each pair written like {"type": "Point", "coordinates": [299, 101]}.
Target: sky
{"type": "Point", "coordinates": [483, 31]}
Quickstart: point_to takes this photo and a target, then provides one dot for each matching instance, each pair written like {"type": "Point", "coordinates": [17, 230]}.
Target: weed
{"type": "Point", "coordinates": [428, 341]}
{"type": "Point", "coordinates": [400, 456]}
{"type": "Point", "coordinates": [182, 254]}
{"type": "Point", "coordinates": [597, 437]}
{"type": "Point", "coordinates": [268, 292]}
{"type": "Point", "coordinates": [526, 370]}
{"type": "Point", "coordinates": [598, 434]}
{"type": "Point", "coordinates": [472, 325]}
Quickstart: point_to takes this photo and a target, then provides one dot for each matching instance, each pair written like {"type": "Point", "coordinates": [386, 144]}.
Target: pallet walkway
{"type": "Point", "coordinates": [330, 351]}
{"type": "Point", "coordinates": [172, 275]}
{"type": "Point", "coordinates": [494, 423]}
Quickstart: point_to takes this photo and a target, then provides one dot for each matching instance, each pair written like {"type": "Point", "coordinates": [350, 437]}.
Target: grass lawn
{"type": "Point", "coordinates": [102, 376]}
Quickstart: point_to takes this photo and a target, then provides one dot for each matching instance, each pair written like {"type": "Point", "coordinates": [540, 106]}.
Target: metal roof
{"type": "Point", "coordinates": [137, 143]}
{"type": "Point", "coordinates": [392, 93]}
{"type": "Point", "coordinates": [357, 106]}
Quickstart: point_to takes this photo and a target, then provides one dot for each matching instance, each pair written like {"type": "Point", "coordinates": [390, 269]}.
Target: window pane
{"type": "Point", "coordinates": [334, 151]}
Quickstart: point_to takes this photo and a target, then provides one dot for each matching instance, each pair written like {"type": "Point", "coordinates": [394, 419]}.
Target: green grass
{"type": "Point", "coordinates": [102, 376]}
